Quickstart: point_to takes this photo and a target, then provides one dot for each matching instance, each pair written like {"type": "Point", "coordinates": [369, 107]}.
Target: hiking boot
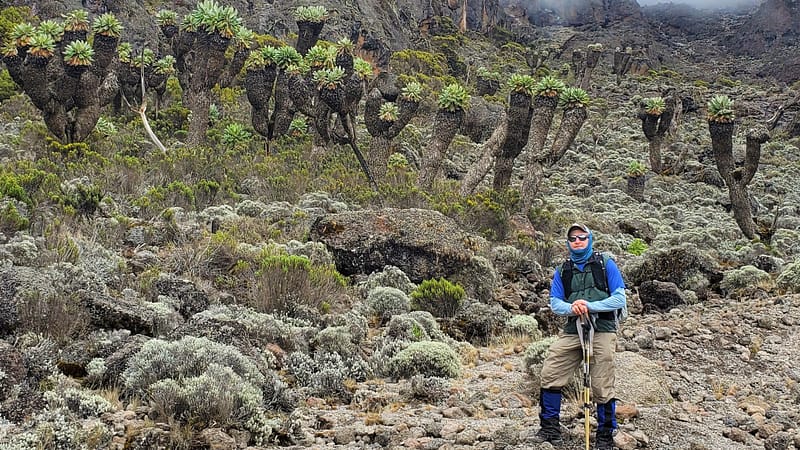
{"type": "Point", "coordinates": [604, 441]}
{"type": "Point", "coordinates": [550, 432]}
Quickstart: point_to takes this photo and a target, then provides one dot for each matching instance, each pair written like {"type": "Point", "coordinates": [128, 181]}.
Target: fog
{"type": "Point", "coordinates": [705, 4]}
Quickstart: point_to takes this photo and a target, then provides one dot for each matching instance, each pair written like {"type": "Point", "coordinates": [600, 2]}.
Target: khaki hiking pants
{"type": "Point", "coordinates": [565, 355]}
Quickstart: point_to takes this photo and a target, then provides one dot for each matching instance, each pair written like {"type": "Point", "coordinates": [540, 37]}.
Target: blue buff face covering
{"type": "Point", "coordinates": [582, 255]}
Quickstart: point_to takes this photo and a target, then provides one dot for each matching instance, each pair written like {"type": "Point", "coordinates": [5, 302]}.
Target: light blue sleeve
{"type": "Point", "coordinates": [617, 288]}
{"type": "Point", "coordinates": [557, 302]}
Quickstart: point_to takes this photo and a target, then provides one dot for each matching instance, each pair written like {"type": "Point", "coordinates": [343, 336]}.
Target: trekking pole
{"type": "Point", "coordinates": [586, 335]}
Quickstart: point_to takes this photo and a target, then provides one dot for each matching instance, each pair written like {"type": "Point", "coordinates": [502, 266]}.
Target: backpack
{"type": "Point", "coordinates": [597, 263]}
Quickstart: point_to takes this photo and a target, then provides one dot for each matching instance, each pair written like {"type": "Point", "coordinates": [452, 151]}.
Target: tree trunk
{"type": "Point", "coordinates": [282, 113]}
{"type": "Point", "coordinates": [636, 187]}
{"type": "Point", "coordinates": [654, 151]}
{"type": "Point", "coordinates": [491, 149]}
{"type": "Point", "coordinates": [307, 35]}
{"type": "Point", "coordinates": [445, 126]}
{"type": "Point", "coordinates": [544, 109]}
{"type": "Point", "coordinates": [199, 103]}
{"type": "Point", "coordinates": [517, 130]}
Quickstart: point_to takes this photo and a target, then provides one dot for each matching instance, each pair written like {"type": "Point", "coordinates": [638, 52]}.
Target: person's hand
{"type": "Point", "coordinates": [580, 307]}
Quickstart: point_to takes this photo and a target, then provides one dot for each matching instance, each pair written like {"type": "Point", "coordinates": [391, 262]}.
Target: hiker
{"type": "Point", "coordinates": [600, 300]}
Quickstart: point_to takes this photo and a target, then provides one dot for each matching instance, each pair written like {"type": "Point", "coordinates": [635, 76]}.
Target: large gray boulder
{"type": "Point", "coordinates": [424, 244]}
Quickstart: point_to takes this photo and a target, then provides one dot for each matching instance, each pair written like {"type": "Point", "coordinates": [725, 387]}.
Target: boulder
{"type": "Point", "coordinates": [660, 295]}
{"type": "Point", "coordinates": [424, 244]}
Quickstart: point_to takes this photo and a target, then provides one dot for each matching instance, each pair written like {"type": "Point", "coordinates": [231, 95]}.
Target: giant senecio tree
{"type": "Point", "coordinates": [199, 47]}
{"type": "Point", "coordinates": [66, 78]}
{"type": "Point", "coordinates": [720, 127]}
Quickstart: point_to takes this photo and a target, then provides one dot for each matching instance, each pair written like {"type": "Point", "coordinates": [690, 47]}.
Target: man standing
{"type": "Point", "coordinates": [587, 284]}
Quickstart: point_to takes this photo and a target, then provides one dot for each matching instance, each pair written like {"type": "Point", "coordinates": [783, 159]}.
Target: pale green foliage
{"type": "Point", "coordinates": [344, 46]}
{"type": "Point", "coordinates": [215, 18]}
{"type": "Point", "coordinates": [51, 28]}
{"type": "Point", "coordinates": [335, 339]}
{"type": "Point", "coordinates": [76, 20]}
{"type": "Point", "coordinates": [536, 353]}
{"type": "Point", "coordinates": [286, 55]}
{"type": "Point", "coordinates": [298, 127]}
{"type": "Point", "coordinates": [428, 358]}
{"type": "Point", "coordinates": [385, 302]}
{"type": "Point", "coordinates": [440, 297]}
{"type": "Point", "coordinates": [720, 109]}
{"type": "Point", "coordinates": [524, 325]}
{"type": "Point", "coordinates": [22, 34]}
{"type": "Point", "coordinates": [453, 97]}
{"type": "Point", "coordinates": [524, 84]}
{"type": "Point", "coordinates": [105, 127]}
{"type": "Point", "coordinates": [235, 136]}
{"type": "Point", "coordinates": [107, 25]}
{"type": "Point", "coordinates": [188, 357]}
{"type": "Point", "coordinates": [636, 169]}
{"type": "Point", "coordinates": [789, 279]}
{"type": "Point", "coordinates": [549, 86]}
{"type": "Point", "coordinates": [487, 74]}
{"type": "Point", "coordinates": [412, 92]}
{"type": "Point", "coordinates": [165, 65]}
{"type": "Point", "coordinates": [654, 106]}
{"type": "Point", "coordinates": [329, 78]}
{"type": "Point", "coordinates": [743, 277]}
{"type": "Point", "coordinates": [166, 17]}
{"type": "Point", "coordinates": [218, 395]}
{"type": "Point", "coordinates": [320, 56]}
{"type": "Point", "coordinates": [78, 53]}
{"type": "Point", "coordinates": [311, 14]}
{"type": "Point", "coordinates": [573, 97]}
{"type": "Point", "coordinates": [42, 45]}
{"type": "Point", "coordinates": [429, 389]}
{"type": "Point", "coordinates": [637, 247]}
{"type": "Point", "coordinates": [363, 68]}
{"type": "Point", "coordinates": [389, 112]}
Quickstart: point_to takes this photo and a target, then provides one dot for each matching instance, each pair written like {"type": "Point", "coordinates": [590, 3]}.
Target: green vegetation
{"type": "Point", "coordinates": [311, 14]}
{"type": "Point", "coordinates": [720, 109]}
{"type": "Point", "coordinates": [107, 25]}
{"type": "Point", "coordinates": [79, 53]}
{"type": "Point", "coordinates": [453, 97]}
{"type": "Point", "coordinates": [654, 106]}
{"type": "Point", "coordinates": [439, 297]}
{"type": "Point", "coordinates": [637, 247]}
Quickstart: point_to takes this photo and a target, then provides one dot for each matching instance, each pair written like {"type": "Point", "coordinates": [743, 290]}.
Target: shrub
{"type": "Point", "coordinates": [744, 276]}
{"type": "Point", "coordinates": [536, 353]}
{"type": "Point", "coordinates": [428, 358]}
{"type": "Point", "coordinates": [429, 389]}
{"type": "Point", "coordinates": [386, 302]}
{"type": "Point", "coordinates": [789, 279]}
{"type": "Point", "coordinates": [480, 323]}
{"type": "Point", "coordinates": [636, 169]}
{"type": "Point", "coordinates": [334, 340]}
{"type": "Point", "coordinates": [439, 297]}
{"type": "Point", "coordinates": [390, 276]}
{"type": "Point", "coordinates": [524, 325]}
{"type": "Point", "coordinates": [7, 85]}
{"type": "Point", "coordinates": [187, 358]}
{"type": "Point", "coordinates": [216, 396]}
{"type": "Point", "coordinates": [414, 326]}
{"type": "Point", "coordinates": [294, 285]}
{"type": "Point", "coordinates": [637, 247]}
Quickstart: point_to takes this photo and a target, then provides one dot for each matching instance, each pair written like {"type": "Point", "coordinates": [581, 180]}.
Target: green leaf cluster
{"type": "Point", "coordinates": [107, 25]}
{"type": "Point", "coordinates": [316, 13]}
{"type": "Point", "coordinates": [439, 297]}
{"type": "Point", "coordinates": [453, 97]}
{"type": "Point", "coordinates": [720, 109]}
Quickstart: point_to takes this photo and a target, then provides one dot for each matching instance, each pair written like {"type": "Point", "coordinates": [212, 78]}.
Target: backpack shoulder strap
{"type": "Point", "coordinates": [566, 277]}
{"type": "Point", "coordinates": [598, 262]}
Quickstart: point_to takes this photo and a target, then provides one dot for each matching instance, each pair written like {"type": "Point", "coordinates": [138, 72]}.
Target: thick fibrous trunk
{"type": "Point", "coordinates": [518, 128]}
{"type": "Point", "coordinates": [735, 178]}
{"type": "Point", "coordinates": [491, 149]}
{"type": "Point", "coordinates": [445, 125]}
{"type": "Point", "coordinates": [282, 113]}
{"type": "Point", "coordinates": [307, 35]}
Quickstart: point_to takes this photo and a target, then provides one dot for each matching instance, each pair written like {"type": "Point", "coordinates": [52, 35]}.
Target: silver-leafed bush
{"type": "Point", "coordinates": [428, 358]}
{"type": "Point", "coordinates": [385, 302]}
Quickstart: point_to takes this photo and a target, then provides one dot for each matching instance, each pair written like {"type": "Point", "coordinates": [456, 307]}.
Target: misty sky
{"type": "Point", "coordinates": [703, 4]}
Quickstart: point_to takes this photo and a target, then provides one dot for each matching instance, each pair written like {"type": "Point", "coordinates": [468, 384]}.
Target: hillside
{"type": "Point", "coordinates": [254, 290]}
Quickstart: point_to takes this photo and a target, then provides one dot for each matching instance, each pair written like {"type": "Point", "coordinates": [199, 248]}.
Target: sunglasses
{"type": "Point", "coordinates": [579, 237]}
